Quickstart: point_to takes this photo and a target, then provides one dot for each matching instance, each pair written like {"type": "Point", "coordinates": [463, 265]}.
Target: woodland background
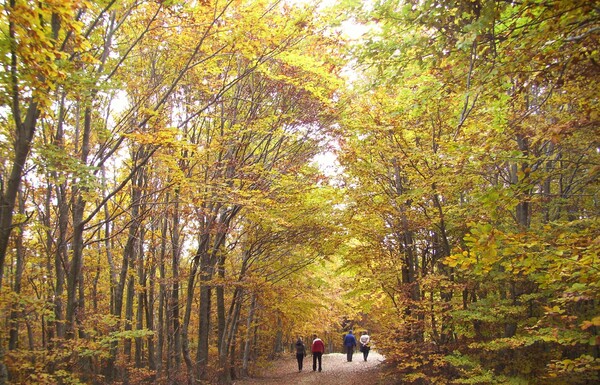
{"type": "Point", "coordinates": [166, 216]}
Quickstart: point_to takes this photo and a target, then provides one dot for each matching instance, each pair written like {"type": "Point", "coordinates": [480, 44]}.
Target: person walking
{"type": "Point", "coordinates": [364, 340]}
{"type": "Point", "coordinates": [317, 348]}
{"type": "Point", "coordinates": [349, 343]}
{"type": "Point", "coordinates": [300, 353]}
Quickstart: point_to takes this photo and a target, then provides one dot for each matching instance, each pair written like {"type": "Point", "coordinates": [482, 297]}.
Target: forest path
{"type": "Point", "coordinates": [336, 371]}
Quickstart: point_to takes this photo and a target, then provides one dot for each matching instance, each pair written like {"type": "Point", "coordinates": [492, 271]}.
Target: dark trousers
{"type": "Point", "coordinates": [350, 352]}
{"type": "Point", "coordinates": [365, 351]}
{"type": "Point", "coordinates": [300, 358]}
{"type": "Point", "coordinates": [317, 357]}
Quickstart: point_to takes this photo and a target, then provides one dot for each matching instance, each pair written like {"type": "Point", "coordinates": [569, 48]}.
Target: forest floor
{"type": "Point", "coordinates": [336, 371]}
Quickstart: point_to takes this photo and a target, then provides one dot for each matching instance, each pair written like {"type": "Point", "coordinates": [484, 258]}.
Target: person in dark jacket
{"type": "Point", "coordinates": [300, 353]}
{"type": "Point", "coordinates": [317, 349]}
{"type": "Point", "coordinates": [349, 344]}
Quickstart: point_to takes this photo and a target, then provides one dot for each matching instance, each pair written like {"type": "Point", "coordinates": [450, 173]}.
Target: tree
{"type": "Point", "coordinates": [142, 153]}
{"type": "Point", "coordinates": [465, 102]}
{"type": "Point", "coordinates": [36, 39]}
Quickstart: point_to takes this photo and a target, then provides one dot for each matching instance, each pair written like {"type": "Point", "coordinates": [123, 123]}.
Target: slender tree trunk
{"type": "Point", "coordinates": [132, 250]}
{"type": "Point", "coordinates": [141, 301]}
{"type": "Point", "coordinates": [409, 258]}
{"type": "Point", "coordinates": [75, 304]}
{"type": "Point", "coordinates": [30, 337]}
{"type": "Point", "coordinates": [149, 301]}
{"type": "Point", "coordinates": [277, 344]}
{"type": "Point", "coordinates": [114, 281]}
{"type": "Point", "coordinates": [234, 369]}
{"type": "Point", "coordinates": [61, 253]}
{"type": "Point", "coordinates": [201, 254]}
{"type": "Point", "coordinates": [126, 280]}
{"type": "Point", "coordinates": [226, 343]}
{"type": "Point", "coordinates": [185, 343]}
{"type": "Point", "coordinates": [74, 310]}
{"type": "Point", "coordinates": [248, 339]}
{"type": "Point", "coordinates": [9, 189]}
{"type": "Point", "coordinates": [174, 300]}
{"type": "Point", "coordinates": [547, 184]}
{"type": "Point", "coordinates": [129, 312]}
{"type": "Point", "coordinates": [207, 270]}
{"type": "Point", "coordinates": [204, 317]}
{"type": "Point", "coordinates": [162, 293]}
{"type": "Point", "coordinates": [51, 271]}
{"type": "Point", "coordinates": [220, 294]}
{"type": "Point", "coordinates": [523, 207]}
{"type": "Point", "coordinates": [16, 311]}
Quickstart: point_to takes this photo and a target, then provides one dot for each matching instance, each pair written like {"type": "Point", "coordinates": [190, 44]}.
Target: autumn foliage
{"type": "Point", "coordinates": [164, 217]}
{"type": "Point", "coordinates": [471, 153]}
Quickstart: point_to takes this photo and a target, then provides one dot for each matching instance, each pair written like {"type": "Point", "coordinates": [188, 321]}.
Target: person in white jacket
{"type": "Point", "coordinates": [364, 340]}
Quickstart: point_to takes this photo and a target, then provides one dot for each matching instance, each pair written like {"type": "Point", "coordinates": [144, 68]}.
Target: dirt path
{"type": "Point", "coordinates": [336, 371]}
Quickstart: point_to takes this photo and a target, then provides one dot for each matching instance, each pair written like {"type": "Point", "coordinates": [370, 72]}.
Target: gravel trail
{"type": "Point", "coordinates": [336, 371]}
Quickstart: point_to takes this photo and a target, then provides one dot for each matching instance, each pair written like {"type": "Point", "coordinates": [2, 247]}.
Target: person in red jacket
{"type": "Point", "coordinates": [317, 349]}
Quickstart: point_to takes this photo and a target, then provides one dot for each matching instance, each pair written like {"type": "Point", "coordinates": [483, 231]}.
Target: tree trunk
{"type": "Point", "coordinates": [174, 300]}
{"type": "Point", "coordinates": [8, 194]}
{"type": "Point", "coordinates": [185, 342]}
{"type": "Point", "coordinates": [149, 300]}
{"type": "Point", "coordinates": [128, 262]}
{"type": "Point", "coordinates": [75, 305]}
{"type": "Point", "coordinates": [129, 311]}
{"type": "Point", "coordinates": [522, 214]}
{"type": "Point", "coordinates": [207, 270]}
{"type": "Point", "coordinates": [226, 343]}
{"type": "Point", "coordinates": [114, 281]}
{"type": "Point", "coordinates": [16, 311]}
{"type": "Point", "coordinates": [141, 301]}
{"type": "Point", "coordinates": [248, 339]}
{"type": "Point", "coordinates": [220, 294]}
{"type": "Point", "coordinates": [162, 293]}
{"type": "Point", "coordinates": [61, 253]}
{"type": "Point", "coordinates": [203, 318]}
{"type": "Point", "coordinates": [133, 248]}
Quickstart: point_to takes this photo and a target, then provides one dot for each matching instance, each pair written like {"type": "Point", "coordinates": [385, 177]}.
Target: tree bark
{"type": "Point", "coordinates": [248, 339]}
{"type": "Point", "coordinates": [75, 305]}
{"type": "Point", "coordinates": [149, 300]}
{"type": "Point", "coordinates": [8, 194]}
{"type": "Point", "coordinates": [16, 311]}
{"type": "Point", "coordinates": [174, 300]}
{"type": "Point", "coordinates": [162, 293]}
{"type": "Point", "coordinates": [141, 300]}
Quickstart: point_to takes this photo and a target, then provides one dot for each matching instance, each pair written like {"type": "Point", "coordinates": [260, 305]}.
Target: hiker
{"type": "Point", "coordinates": [364, 344]}
{"type": "Point", "coordinates": [349, 343]}
{"type": "Point", "coordinates": [317, 349]}
{"type": "Point", "coordinates": [300, 353]}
